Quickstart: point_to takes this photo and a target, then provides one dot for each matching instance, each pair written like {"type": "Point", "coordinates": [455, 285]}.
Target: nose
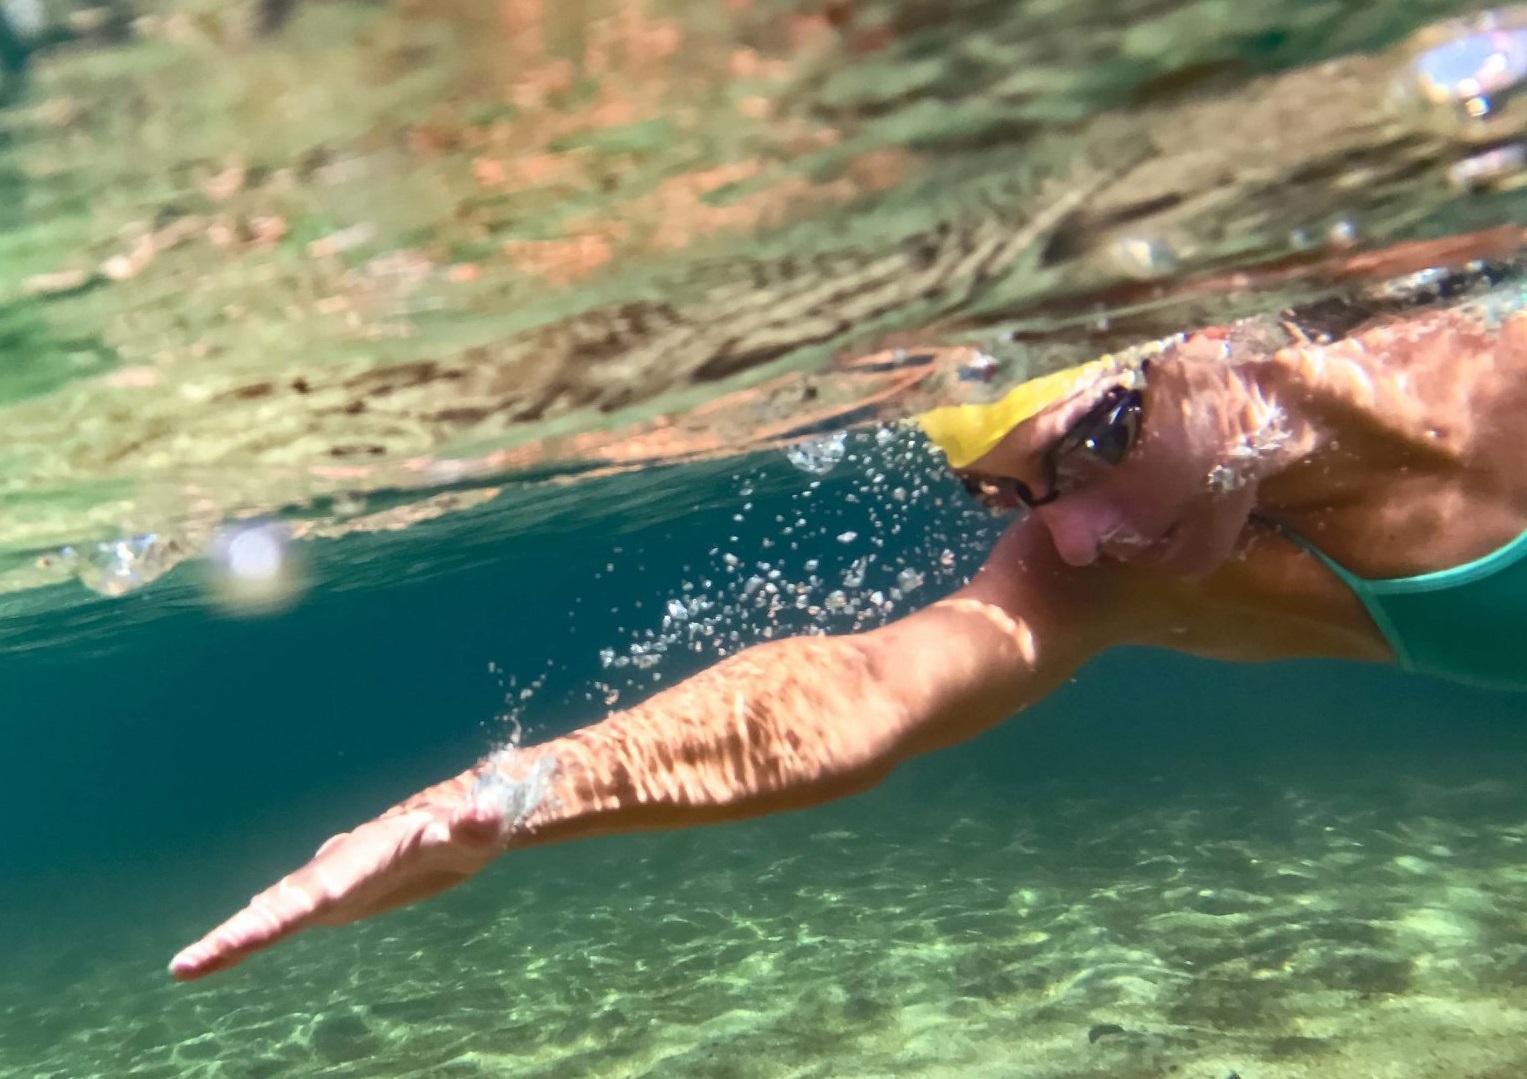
{"type": "Point", "coordinates": [1078, 526]}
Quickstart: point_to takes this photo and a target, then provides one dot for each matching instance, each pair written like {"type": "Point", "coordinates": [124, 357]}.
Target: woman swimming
{"type": "Point", "coordinates": [1227, 494]}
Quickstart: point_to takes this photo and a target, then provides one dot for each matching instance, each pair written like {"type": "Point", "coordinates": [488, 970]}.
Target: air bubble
{"type": "Point", "coordinates": [252, 568]}
{"type": "Point", "coordinates": [819, 456]}
{"type": "Point", "coordinates": [124, 565]}
{"type": "Point", "coordinates": [787, 595]}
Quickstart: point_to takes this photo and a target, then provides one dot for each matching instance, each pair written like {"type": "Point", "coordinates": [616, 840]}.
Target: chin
{"type": "Point", "coordinates": [1190, 561]}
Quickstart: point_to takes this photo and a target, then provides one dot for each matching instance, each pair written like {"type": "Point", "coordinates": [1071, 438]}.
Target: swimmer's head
{"type": "Point", "coordinates": [1093, 409]}
{"type": "Point", "coordinates": [1115, 456]}
{"type": "Point", "coordinates": [966, 433]}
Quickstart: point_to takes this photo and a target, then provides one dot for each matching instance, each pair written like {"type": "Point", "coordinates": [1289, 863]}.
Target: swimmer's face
{"type": "Point", "coordinates": [1131, 474]}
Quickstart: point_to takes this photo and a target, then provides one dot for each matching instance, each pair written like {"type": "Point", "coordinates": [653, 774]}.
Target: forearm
{"type": "Point", "coordinates": [781, 726]}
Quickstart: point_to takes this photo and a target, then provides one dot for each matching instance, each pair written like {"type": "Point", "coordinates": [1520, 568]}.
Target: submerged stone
{"type": "Point", "coordinates": [1294, 1045]}
{"type": "Point", "coordinates": [343, 1037]}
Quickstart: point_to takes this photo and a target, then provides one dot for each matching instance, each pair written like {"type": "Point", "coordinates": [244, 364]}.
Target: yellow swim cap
{"type": "Point", "coordinates": [968, 432]}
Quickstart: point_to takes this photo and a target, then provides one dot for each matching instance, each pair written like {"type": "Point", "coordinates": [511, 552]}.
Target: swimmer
{"type": "Point", "coordinates": [1351, 484]}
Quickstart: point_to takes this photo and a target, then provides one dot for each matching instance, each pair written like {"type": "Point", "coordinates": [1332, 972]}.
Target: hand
{"type": "Point", "coordinates": [431, 842]}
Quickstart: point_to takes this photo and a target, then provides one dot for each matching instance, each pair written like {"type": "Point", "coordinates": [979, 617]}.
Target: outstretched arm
{"type": "Point", "coordinates": [780, 726]}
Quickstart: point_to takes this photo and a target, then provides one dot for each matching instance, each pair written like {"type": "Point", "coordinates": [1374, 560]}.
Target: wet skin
{"type": "Point", "coordinates": [1396, 450]}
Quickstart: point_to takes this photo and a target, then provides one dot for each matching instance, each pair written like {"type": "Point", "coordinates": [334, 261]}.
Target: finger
{"type": "Point", "coordinates": [325, 891]}
{"type": "Point", "coordinates": [275, 913]}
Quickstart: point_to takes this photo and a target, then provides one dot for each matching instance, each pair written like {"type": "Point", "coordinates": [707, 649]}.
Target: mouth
{"type": "Point", "coordinates": [1165, 550]}
{"type": "Point", "coordinates": [1125, 544]}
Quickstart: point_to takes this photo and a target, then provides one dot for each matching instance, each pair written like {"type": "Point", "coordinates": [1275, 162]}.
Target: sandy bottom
{"type": "Point", "coordinates": [1354, 928]}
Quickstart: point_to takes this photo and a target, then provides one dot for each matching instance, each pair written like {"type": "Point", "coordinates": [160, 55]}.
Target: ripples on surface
{"type": "Point", "coordinates": [293, 258]}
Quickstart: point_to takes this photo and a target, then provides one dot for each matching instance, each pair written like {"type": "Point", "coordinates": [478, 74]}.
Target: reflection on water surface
{"type": "Point", "coordinates": [331, 259]}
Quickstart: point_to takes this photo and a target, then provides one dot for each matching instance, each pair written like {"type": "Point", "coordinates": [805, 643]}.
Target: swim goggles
{"type": "Point", "coordinates": [1105, 433]}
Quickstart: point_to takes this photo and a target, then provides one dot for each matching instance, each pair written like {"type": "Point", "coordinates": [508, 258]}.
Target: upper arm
{"type": "Point", "coordinates": [1028, 621]}
{"type": "Point", "coordinates": [1023, 625]}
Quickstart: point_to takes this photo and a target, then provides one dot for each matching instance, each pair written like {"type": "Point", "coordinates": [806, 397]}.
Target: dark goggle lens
{"type": "Point", "coordinates": [1109, 431]}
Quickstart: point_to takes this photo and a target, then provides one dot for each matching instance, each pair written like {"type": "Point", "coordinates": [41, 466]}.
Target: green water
{"type": "Point", "coordinates": [1292, 870]}
{"type": "Point", "coordinates": [1170, 869]}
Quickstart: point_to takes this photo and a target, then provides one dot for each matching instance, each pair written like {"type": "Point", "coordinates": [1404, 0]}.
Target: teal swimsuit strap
{"type": "Point", "coordinates": [1371, 591]}
{"type": "Point", "coordinates": [1467, 573]}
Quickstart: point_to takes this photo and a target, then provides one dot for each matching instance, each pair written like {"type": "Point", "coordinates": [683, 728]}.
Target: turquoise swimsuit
{"type": "Point", "coordinates": [1465, 624]}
